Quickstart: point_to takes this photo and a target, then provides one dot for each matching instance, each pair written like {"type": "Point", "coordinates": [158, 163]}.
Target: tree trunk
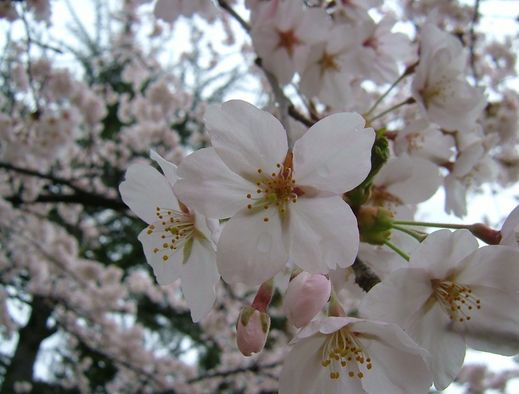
{"type": "Point", "coordinates": [30, 338]}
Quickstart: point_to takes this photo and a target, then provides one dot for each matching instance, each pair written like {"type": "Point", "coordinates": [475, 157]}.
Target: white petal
{"type": "Point", "coordinates": [251, 250]}
{"type": "Point", "coordinates": [334, 154]}
{"type": "Point", "coordinates": [208, 186]}
{"type": "Point", "coordinates": [398, 362]}
{"type": "Point", "coordinates": [169, 169]}
{"type": "Point", "coordinates": [246, 138]}
{"type": "Point", "coordinates": [442, 251]}
{"type": "Point", "coordinates": [495, 327]}
{"type": "Point", "coordinates": [302, 368]}
{"type": "Point", "coordinates": [400, 298]}
{"type": "Point", "coordinates": [509, 226]}
{"type": "Point", "coordinates": [492, 266]}
{"type": "Point", "coordinates": [199, 277]}
{"type": "Point", "coordinates": [323, 234]}
{"type": "Point", "coordinates": [145, 189]}
{"type": "Point", "coordinates": [447, 349]}
{"type": "Point", "coordinates": [421, 182]}
{"type": "Point", "coordinates": [165, 272]}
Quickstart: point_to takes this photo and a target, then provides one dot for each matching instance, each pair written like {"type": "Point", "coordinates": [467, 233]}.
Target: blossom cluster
{"type": "Point", "coordinates": [288, 232]}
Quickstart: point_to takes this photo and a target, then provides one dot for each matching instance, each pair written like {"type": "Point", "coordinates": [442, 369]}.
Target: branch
{"type": "Point", "coordinates": [80, 196]}
{"type": "Point", "coordinates": [85, 199]}
{"type": "Point", "coordinates": [255, 367]}
{"type": "Point", "coordinates": [472, 33]}
{"type": "Point", "coordinates": [234, 14]}
{"type": "Point", "coordinates": [364, 276]}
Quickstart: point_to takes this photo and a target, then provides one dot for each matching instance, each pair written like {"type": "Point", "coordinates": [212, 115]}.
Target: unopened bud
{"type": "Point", "coordinates": [252, 330]}
{"type": "Point", "coordinates": [374, 224]}
{"type": "Point", "coordinates": [305, 297]}
{"type": "Point", "coordinates": [486, 233]}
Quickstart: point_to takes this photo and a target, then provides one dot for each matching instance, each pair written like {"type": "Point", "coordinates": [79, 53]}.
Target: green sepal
{"type": "Point", "coordinates": [375, 225]}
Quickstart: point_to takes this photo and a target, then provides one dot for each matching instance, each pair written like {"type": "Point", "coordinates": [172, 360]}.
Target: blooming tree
{"type": "Point", "coordinates": [160, 234]}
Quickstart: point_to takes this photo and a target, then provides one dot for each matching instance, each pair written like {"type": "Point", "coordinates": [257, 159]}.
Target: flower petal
{"type": "Point", "coordinates": [199, 277]}
{"type": "Point", "coordinates": [442, 251]}
{"type": "Point", "coordinates": [399, 365]}
{"type": "Point", "coordinates": [334, 154]}
{"type": "Point", "coordinates": [323, 234]}
{"type": "Point", "coordinates": [447, 349]}
{"type": "Point", "coordinates": [145, 189]}
{"type": "Point", "coordinates": [399, 298]}
{"type": "Point", "coordinates": [302, 368]}
{"type": "Point", "coordinates": [495, 327]}
{"type": "Point", "coordinates": [169, 169]}
{"type": "Point", "coordinates": [246, 138]}
{"type": "Point", "coordinates": [492, 266]}
{"type": "Point", "coordinates": [165, 272]}
{"type": "Point", "coordinates": [251, 250]}
{"type": "Point", "coordinates": [208, 186]}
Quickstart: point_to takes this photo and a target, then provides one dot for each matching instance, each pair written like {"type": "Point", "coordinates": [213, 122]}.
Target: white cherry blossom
{"type": "Point", "coordinates": [439, 86]}
{"type": "Point", "coordinates": [283, 38]}
{"type": "Point", "coordinates": [177, 241]}
{"type": "Point", "coordinates": [348, 355]}
{"type": "Point", "coordinates": [453, 293]}
{"type": "Point", "coordinates": [283, 204]}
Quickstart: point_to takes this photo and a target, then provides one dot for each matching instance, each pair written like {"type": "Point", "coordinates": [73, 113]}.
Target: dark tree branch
{"type": "Point", "coordinates": [364, 276]}
{"type": "Point", "coordinates": [85, 199]}
{"type": "Point", "coordinates": [472, 46]}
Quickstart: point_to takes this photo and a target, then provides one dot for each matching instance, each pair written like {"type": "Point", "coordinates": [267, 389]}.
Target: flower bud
{"type": "Point", "coordinates": [252, 330]}
{"type": "Point", "coordinates": [305, 297]}
{"type": "Point", "coordinates": [374, 224]}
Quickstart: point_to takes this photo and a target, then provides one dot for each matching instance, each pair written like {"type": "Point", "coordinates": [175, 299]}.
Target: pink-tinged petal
{"type": "Point", "coordinates": [199, 277]}
{"type": "Point", "coordinates": [305, 297]}
{"type": "Point", "coordinates": [399, 365]}
{"type": "Point", "coordinates": [324, 234]}
{"type": "Point", "coordinates": [144, 189]}
{"type": "Point", "coordinates": [246, 138]}
{"type": "Point", "coordinates": [495, 327]}
{"type": "Point", "coordinates": [334, 155]}
{"type": "Point", "coordinates": [208, 186]}
{"type": "Point", "coordinates": [169, 169]}
{"type": "Point", "coordinates": [447, 349]}
{"type": "Point", "coordinates": [302, 371]}
{"type": "Point", "coordinates": [492, 266]}
{"type": "Point", "coordinates": [251, 250]}
{"type": "Point", "coordinates": [400, 298]}
{"type": "Point", "coordinates": [166, 271]}
{"type": "Point", "coordinates": [442, 251]}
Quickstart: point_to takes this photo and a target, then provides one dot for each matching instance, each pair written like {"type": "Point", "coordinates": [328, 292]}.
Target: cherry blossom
{"type": "Point", "coordinates": [439, 85]}
{"type": "Point", "coordinates": [344, 354]}
{"type": "Point", "coordinates": [283, 204]}
{"type": "Point", "coordinates": [452, 294]}
{"type": "Point", "coordinates": [178, 241]}
{"type": "Point", "coordinates": [284, 40]}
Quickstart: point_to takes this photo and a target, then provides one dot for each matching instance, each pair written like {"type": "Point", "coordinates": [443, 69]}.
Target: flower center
{"type": "Point", "coordinates": [457, 300]}
{"type": "Point", "coordinates": [288, 40]}
{"type": "Point", "coordinates": [328, 62]}
{"type": "Point", "coordinates": [174, 229]}
{"type": "Point", "coordinates": [343, 350]}
{"type": "Point", "coordinates": [277, 189]}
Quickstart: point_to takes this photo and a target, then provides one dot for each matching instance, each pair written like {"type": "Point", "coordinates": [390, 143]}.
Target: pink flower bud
{"type": "Point", "coordinates": [305, 297]}
{"type": "Point", "coordinates": [252, 330]}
